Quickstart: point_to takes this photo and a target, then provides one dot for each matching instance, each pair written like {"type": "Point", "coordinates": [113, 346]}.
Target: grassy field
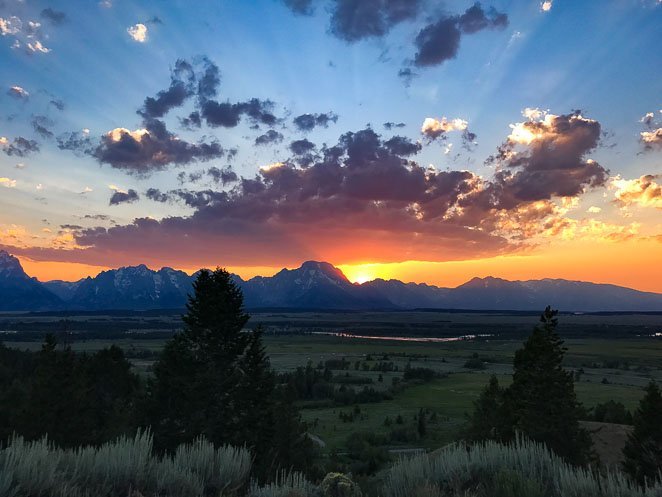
{"type": "Point", "coordinates": [615, 365]}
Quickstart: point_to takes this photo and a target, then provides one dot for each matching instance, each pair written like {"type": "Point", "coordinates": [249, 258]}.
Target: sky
{"type": "Point", "coordinates": [414, 139]}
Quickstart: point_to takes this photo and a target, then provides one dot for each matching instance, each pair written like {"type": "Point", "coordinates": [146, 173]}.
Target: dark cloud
{"type": "Point", "coordinates": [192, 121]}
{"type": "Point", "coordinates": [53, 16]}
{"type": "Point", "coordinates": [154, 20]}
{"type": "Point", "coordinates": [399, 145]}
{"type": "Point", "coordinates": [476, 19]}
{"type": "Point", "coordinates": [366, 192]}
{"type": "Point", "coordinates": [42, 126]}
{"type": "Point", "coordinates": [354, 20]}
{"type": "Point", "coordinates": [268, 138]}
{"type": "Point", "coordinates": [440, 41]}
{"type": "Point", "coordinates": [153, 148]}
{"type": "Point", "coordinates": [222, 176]}
{"type": "Point", "coordinates": [57, 103]}
{"type": "Point", "coordinates": [391, 125]}
{"type": "Point", "coordinates": [302, 147]}
{"type": "Point", "coordinates": [76, 141]}
{"type": "Point", "coordinates": [120, 197]}
{"type": "Point", "coordinates": [182, 79]}
{"type": "Point", "coordinates": [307, 122]}
{"type": "Point", "coordinates": [300, 7]}
{"type": "Point", "coordinates": [407, 76]}
{"type": "Point", "coordinates": [553, 164]}
{"type": "Point", "coordinates": [21, 147]}
{"type": "Point", "coordinates": [157, 195]}
{"type": "Point", "coordinates": [228, 114]}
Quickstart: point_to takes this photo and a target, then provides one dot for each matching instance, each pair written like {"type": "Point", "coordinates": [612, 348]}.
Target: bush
{"type": "Point", "coordinates": [522, 468]}
{"type": "Point", "coordinates": [117, 469]}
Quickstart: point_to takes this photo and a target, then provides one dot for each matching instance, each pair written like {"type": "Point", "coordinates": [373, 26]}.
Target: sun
{"type": "Point", "coordinates": [360, 273]}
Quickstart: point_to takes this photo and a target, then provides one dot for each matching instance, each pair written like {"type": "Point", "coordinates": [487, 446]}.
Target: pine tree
{"type": "Point", "coordinates": [491, 418]}
{"type": "Point", "coordinates": [542, 395]}
{"type": "Point", "coordinates": [255, 397]}
{"type": "Point", "coordinates": [422, 424]}
{"type": "Point", "coordinates": [643, 450]}
{"type": "Point", "coordinates": [194, 390]}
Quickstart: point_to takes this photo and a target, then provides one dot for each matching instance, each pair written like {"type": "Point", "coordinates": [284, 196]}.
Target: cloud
{"type": "Point", "coordinates": [151, 148]}
{"type": "Point", "coordinates": [440, 41]}
{"type": "Point", "coordinates": [643, 191]}
{"type": "Point", "coordinates": [302, 147]}
{"type": "Point", "coordinates": [18, 92]}
{"type": "Point", "coordinates": [594, 209]}
{"type": "Point", "coordinates": [8, 183]}
{"type": "Point", "coordinates": [57, 103]}
{"type": "Point", "coordinates": [366, 197]}
{"type": "Point", "coordinates": [36, 47]}
{"type": "Point", "coordinates": [546, 6]}
{"type": "Point", "coordinates": [300, 7]}
{"type": "Point", "coordinates": [391, 125]}
{"type": "Point", "coordinates": [652, 139]}
{"type": "Point", "coordinates": [42, 126]}
{"type": "Point", "coordinates": [138, 32]}
{"type": "Point", "coordinates": [307, 122]}
{"type": "Point", "coordinates": [10, 26]}
{"type": "Point", "coordinates": [228, 115]}
{"type": "Point", "coordinates": [122, 197]}
{"type": "Point", "coordinates": [182, 79]}
{"type": "Point", "coordinates": [545, 156]}
{"type": "Point", "coordinates": [222, 176]}
{"type": "Point", "coordinates": [407, 76]}
{"type": "Point", "coordinates": [354, 20]}
{"type": "Point", "coordinates": [269, 138]}
{"type": "Point", "coordinates": [435, 128]}
{"type": "Point", "coordinates": [53, 16]}
{"type": "Point", "coordinates": [20, 147]}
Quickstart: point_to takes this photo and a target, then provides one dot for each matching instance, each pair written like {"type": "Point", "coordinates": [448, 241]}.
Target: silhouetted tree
{"type": "Point", "coordinates": [491, 418]}
{"type": "Point", "coordinates": [643, 449]}
{"type": "Point", "coordinates": [542, 395]}
{"type": "Point", "coordinates": [194, 390]}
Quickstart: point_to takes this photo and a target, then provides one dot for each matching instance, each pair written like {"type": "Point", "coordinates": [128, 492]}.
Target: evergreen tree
{"type": "Point", "coordinates": [255, 397]}
{"type": "Point", "coordinates": [542, 395]}
{"type": "Point", "coordinates": [491, 418]}
{"type": "Point", "coordinates": [422, 424]}
{"type": "Point", "coordinates": [194, 390]}
{"type": "Point", "coordinates": [643, 450]}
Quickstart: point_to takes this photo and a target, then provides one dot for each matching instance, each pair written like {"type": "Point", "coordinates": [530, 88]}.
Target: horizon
{"type": "Point", "coordinates": [411, 142]}
{"type": "Point", "coordinates": [359, 277]}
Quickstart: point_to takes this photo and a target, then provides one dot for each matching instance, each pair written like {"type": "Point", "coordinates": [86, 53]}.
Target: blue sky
{"type": "Point", "coordinates": [600, 57]}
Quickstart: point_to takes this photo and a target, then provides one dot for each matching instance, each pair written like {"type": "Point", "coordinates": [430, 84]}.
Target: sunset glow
{"type": "Point", "coordinates": [484, 144]}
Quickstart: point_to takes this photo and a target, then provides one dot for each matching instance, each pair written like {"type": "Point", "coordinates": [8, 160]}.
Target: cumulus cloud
{"type": "Point", "coordinates": [223, 176]}
{"type": "Point", "coordinates": [440, 41]}
{"type": "Point", "coordinates": [19, 147]}
{"type": "Point", "coordinates": [138, 32]}
{"type": "Point", "coordinates": [643, 191]}
{"type": "Point", "coordinates": [36, 47]}
{"type": "Point", "coordinates": [407, 75]}
{"type": "Point", "coordinates": [10, 26]}
{"type": "Point", "coordinates": [269, 138]}
{"type": "Point", "coordinates": [546, 6]}
{"type": "Point", "coordinates": [435, 128]}
{"type": "Point", "coordinates": [307, 122]}
{"type": "Point", "coordinates": [18, 92]}
{"type": "Point", "coordinates": [151, 148]}
{"type": "Point", "coordinates": [123, 197]}
{"type": "Point", "coordinates": [182, 79]}
{"type": "Point", "coordinates": [365, 192]}
{"type": "Point", "coordinates": [302, 147]}
{"type": "Point", "coordinates": [228, 115]}
{"type": "Point", "coordinates": [652, 138]}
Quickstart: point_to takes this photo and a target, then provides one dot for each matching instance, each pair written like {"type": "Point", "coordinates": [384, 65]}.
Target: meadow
{"type": "Point", "coordinates": [614, 356]}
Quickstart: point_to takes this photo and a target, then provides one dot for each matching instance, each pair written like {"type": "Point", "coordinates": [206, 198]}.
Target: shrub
{"type": "Point", "coordinates": [117, 469]}
{"type": "Point", "coordinates": [523, 468]}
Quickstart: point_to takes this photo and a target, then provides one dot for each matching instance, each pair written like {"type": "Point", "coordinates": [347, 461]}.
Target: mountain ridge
{"type": "Point", "coordinates": [313, 285]}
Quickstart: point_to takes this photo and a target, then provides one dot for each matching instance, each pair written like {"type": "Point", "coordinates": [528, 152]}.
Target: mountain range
{"type": "Point", "coordinates": [314, 285]}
